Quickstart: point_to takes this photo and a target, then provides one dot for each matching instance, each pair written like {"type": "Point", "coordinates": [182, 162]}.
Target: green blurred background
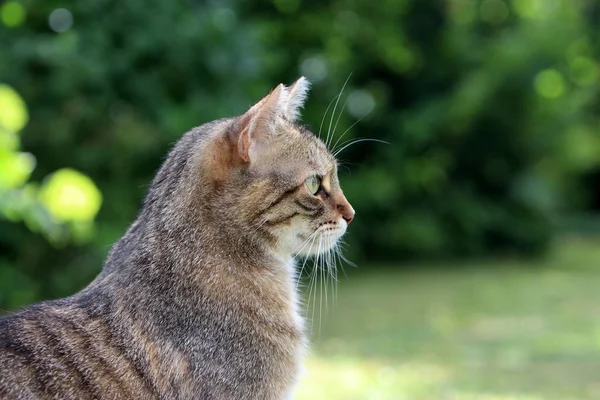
{"type": "Point", "coordinates": [476, 235]}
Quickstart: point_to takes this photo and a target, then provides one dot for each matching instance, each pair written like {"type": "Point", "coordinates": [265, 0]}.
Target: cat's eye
{"type": "Point", "coordinates": [313, 184]}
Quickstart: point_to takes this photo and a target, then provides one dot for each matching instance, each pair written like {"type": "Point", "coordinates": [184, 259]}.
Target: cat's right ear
{"type": "Point", "coordinates": [259, 125]}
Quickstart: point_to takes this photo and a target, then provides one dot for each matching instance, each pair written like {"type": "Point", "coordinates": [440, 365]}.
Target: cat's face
{"type": "Point", "coordinates": [294, 182]}
{"type": "Point", "coordinates": [311, 212]}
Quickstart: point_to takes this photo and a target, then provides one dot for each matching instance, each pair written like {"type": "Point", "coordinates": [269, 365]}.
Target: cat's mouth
{"type": "Point", "coordinates": [323, 239]}
{"type": "Point", "coordinates": [331, 232]}
{"type": "Point", "coordinates": [328, 235]}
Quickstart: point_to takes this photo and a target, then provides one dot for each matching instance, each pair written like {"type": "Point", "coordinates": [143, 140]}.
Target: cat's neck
{"type": "Point", "coordinates": [184, 264]}
{"type": "Point", "coordinates": [191, 250]}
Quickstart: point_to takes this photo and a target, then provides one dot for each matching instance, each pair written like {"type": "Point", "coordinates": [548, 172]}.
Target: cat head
{"type": "Point", "coordinates": [275, 179]}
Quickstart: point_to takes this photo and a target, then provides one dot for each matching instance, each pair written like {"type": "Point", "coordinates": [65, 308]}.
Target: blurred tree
{"type": "Point", "coordinates": [63, 208]}
{"type": "Point", "coordinates": [483, 102]}
{"type": "Point", "coordinates": [488, 106]}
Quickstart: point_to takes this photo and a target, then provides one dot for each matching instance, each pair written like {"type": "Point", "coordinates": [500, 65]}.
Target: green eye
{"type": "Point", "coordinates": [313, 184]}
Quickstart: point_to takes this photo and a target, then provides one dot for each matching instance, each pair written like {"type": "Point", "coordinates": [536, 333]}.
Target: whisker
{"type": "Point", "coordinates": [306, 259]}
{"type": "Point", "coordinates": [314, 284]}
{"type": "Point", "coordinates": [308, 296]}
{"type": "Point", "coordinates": [338, 118]}
{"type": "Point", "coordinates": [342, 166]}
{"type": "Point", "coordinates": [341, 264]}
{"type": "Point", "coordinates": [343, 258]}
{"type": "Point", "coordinates": [333, 273]}
{"type": "Point", "coordinates": [358, 141]}
{"type": "Point", "coordinates": [342, 135]}
{"type": "Point", "coordinates": [303, 245]}
{"type": "Point", "coordinates": [259, 225]}
{"type": "Point", "coordinates": [323, 274]}
{"type": "Point", "coordinates": [323, 277]}
{"type": "Point", "coordinates": [334, 108]}
{"type": "Point", "coordinates": [330, 273]}
{"type": "Point", "coordinates": [318, 282]}
{"type": "Point", "coordinates": [320, 295]}
{"type": "Point", "coordinates": [325, 115]}
{"type": "Point", "coordinates": [312, 287]}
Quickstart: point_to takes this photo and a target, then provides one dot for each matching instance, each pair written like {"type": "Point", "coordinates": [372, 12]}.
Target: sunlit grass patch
{"type": "Point", "coordinates": [507, 329]}
{"type": "Point", "coordinates": [352, 378]}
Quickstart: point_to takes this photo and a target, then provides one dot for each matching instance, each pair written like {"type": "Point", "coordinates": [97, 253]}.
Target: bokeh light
{"type": "Point", "coordinates": [60, 20]}
{"type": "Point", "coordinates": [314, 68]}
{"type": "Point", "coordinates": [361, 103]}
{"type": "Point", "coordinates": [16, 168]}
{"type": "Point", "coordinates": [550, 84]}
{"type": "Point", "coordinates": [13, 115]}
{"type": "Point", "coordinates": [71, 196]}
{"type": "Point", "coordinates": [12, 14]}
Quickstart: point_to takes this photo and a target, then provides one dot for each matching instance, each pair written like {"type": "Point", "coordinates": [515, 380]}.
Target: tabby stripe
{"type": "Point", "coordinates": [278, 200]}
{"type": "Point", "coordinates": [137, 369]}
{"type": "Point", "coordinates": [104, 366]}
{"type": "Point", "coordinates": [59, 359]}
{"type": "Point", "coordinates": [304, 206]}
{"type": "Point", "coordinates": [22, 345]}
{"type": "Point", "coordinates": [102, 372]}
{"type": "Point", "coordinates": [108, 334]}
{"type": "Point", "coordinates": [281, 220]}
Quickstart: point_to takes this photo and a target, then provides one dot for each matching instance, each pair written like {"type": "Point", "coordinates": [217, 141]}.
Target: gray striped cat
{"type": "Point", "coordinates": [197, 300]}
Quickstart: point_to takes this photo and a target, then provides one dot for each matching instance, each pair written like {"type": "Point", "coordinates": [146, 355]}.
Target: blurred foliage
{"type": "Point", "coordinates": [62, 209]}
{"type": "Point", "coordinates": [489, 108]}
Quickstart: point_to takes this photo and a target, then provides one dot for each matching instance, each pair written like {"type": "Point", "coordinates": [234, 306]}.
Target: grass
{"type": "Point", "coordinates": [493, 330]}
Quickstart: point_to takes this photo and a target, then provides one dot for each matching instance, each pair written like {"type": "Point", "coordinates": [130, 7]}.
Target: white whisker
{"type": "Point", "coordinates": [327, 143]}
{"type": "Point", "coordinates": [334, 147]}
{"type": "Point", "coordinates": [259, 225]}
{"type": "Point", "coordinates": [325, 253]}
{"type": "Point", "coordinates": [303, 245]}
{"type": "Point", "coordinates": [320, 294]}
{"type": "Point", "coordinates": [314, 236]}
{"type": "Point", "coordinates": [338, 119]}
{"type": "Point", "coordinates": [325, 115]}
{"type": "Point", "coordinates": [313, 286]}
{"type": "Point", "coordinates": [323, 272]}
{"type": "Point", "coordinates": [358, 141]}
{"type": "Point", "coordinates": [317, 279]}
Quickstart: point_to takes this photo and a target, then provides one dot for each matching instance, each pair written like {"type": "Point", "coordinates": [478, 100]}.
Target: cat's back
{"type": "Point", "coordinates": [59, 350]}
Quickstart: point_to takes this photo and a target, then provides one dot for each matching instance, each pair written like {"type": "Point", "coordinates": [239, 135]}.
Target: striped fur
{"type": "Point", "coordinates": [197, 299]}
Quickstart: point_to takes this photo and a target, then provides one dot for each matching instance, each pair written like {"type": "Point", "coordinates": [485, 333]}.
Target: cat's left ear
{"type": "Point", "coordinates": [261, 122]}
{"type": "Point", "coordinates": [291, 100]}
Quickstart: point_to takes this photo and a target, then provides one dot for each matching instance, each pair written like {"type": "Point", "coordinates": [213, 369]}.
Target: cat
{"type": "Point", "coordinates": [197, 300]}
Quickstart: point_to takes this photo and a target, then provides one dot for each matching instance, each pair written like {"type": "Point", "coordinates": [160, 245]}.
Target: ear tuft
{"type": "Point", "coordinates": [260, 123]}
{"type": "Point", "coordinates": [297, 94]}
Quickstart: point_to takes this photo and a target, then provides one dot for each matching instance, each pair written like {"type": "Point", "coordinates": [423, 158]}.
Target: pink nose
{"type": "Point", "coordinates": [346, 211]}
{"type": "Point", "coordinates": [348, 218]}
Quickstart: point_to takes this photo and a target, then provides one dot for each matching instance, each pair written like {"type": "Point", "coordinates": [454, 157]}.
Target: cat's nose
{"type": "Point", "coordinates": [348, 218]}
{"type": "Point", "coordinates": [347, 212]}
